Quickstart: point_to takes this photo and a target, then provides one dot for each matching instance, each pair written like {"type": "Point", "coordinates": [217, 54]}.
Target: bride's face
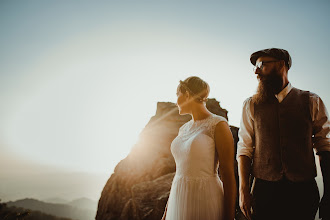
{"type": "Point", "coordinates": [182, 102]}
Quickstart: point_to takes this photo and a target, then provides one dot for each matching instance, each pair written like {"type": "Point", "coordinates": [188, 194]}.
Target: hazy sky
{"type": "Point", "coordinates": [80, 79]}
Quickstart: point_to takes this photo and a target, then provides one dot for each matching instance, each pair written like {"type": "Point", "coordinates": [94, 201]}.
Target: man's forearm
{"type": "Point", "coordinates": [244, 170]}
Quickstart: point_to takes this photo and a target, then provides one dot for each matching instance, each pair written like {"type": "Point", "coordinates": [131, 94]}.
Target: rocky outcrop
{"type": "Point", "coordinates": [139, 187]}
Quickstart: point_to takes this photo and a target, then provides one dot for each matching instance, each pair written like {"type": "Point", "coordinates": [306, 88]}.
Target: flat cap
{"type": "Point", "coordinates": [277, 53]}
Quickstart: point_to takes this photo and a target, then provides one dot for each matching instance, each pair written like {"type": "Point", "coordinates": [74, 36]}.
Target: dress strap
{"type": "Point", "coordinates": [213, 123]}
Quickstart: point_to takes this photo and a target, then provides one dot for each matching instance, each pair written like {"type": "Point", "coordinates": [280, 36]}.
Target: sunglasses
{"type": "Point", "coordinates": [261, 64]}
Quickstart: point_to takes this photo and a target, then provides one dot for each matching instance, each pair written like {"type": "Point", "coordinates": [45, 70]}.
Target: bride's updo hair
{"type": "Point", "coordinates": [196, 87]}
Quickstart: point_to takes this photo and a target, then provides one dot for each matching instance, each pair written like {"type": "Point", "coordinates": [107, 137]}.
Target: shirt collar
{"type": "Point", "coordinates": [281, 95]}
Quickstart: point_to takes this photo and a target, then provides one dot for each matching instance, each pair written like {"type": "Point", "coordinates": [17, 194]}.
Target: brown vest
{"type": "Point", "coordinates": [283, 139]}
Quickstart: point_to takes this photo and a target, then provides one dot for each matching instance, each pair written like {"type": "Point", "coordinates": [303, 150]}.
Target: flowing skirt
{"type": "Point", "coordinates": [195, 198]}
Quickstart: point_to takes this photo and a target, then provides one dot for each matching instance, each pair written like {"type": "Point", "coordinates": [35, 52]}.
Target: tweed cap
{"type": "Point", "coordinates": [277, 53]}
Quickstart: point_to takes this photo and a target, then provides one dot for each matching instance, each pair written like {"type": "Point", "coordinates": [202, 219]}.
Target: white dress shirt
{"type": "Point", "coordinates": [319, 114]}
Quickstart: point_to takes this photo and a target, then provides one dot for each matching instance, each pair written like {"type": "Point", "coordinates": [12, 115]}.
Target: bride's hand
{"type": "Point", "coordinates": [245, 203]}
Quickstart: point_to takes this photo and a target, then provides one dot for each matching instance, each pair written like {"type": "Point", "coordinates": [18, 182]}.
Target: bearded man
{"type": "Point", "coordinates": [281, 126]}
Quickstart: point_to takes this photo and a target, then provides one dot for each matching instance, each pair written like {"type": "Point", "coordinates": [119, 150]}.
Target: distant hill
{"type": "Point", "coordinates": [14, 213]}
{"type": "Point", "coordinates": [56, 200]}
{"type": "Point", "coordinates": [84, 203]}
{"type": "Point", "coordinates": [81, 203]}
{"type": "Point", "coordinates": [23, 178]}
{"type": "Point", "coordinates": [59, 210]}
{"type": "Point", "coordinates": [49, 184]}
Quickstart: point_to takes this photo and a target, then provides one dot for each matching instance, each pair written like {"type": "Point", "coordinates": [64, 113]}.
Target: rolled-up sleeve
{"type": "Point", "coordinates": [245, 145]}
{"type": "Point", "coordinates": [321, 124]}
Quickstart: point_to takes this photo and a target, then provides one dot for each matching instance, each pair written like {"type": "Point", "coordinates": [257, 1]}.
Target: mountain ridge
{"type": "Point", "coordinates": [59, 210]}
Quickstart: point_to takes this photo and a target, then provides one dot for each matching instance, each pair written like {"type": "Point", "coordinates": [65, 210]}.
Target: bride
{"type": "Point", "coordinates": [203, 145]}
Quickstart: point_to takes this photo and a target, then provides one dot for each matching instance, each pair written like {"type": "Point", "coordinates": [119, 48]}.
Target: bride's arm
{"type": "Point", "coordinates": [225, 147]}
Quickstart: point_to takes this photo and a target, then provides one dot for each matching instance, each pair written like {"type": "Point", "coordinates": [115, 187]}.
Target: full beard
{"type": "Point", "coordinates": [269, 85]}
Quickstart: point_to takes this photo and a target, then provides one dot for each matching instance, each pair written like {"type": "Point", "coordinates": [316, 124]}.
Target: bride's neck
{"type": "Point", "coordinates": [200, 112]}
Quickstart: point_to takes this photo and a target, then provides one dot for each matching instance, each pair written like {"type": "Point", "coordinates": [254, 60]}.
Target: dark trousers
{"type": "Point", "coordinates": [285, 200]}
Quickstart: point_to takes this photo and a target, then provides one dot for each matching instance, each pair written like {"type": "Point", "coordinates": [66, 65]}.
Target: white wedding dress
{"type": "Point", "coordinates": [197, 191]}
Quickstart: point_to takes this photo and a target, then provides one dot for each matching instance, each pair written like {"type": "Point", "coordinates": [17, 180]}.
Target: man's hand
{"type": "Point", "coordinates": [245, 203]}
{"type": "Point", "coordinates": [245, 197]}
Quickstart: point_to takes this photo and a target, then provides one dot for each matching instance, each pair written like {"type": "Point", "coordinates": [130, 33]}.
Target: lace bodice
{"type": "Point", "coordinates": [194, 149]}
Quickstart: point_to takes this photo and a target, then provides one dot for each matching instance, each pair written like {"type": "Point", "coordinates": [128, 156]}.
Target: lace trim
{"type": "Point", "coordinates": [208, 124]}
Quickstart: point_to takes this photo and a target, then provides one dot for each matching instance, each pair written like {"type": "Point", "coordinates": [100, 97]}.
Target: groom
{"type": "Point", "coordinates": [279, 128]}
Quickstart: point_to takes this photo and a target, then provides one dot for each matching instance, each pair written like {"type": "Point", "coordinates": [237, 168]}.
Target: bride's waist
{"type": "Point", "coordinates": [190, 176]}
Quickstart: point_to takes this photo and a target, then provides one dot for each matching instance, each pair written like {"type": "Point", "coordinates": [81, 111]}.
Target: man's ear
{"type": "Point", "coordinates": [281, 65]}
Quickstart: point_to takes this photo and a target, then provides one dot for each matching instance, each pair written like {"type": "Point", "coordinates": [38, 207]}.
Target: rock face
{"type": "Point", "coordinates": [140, 185]}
